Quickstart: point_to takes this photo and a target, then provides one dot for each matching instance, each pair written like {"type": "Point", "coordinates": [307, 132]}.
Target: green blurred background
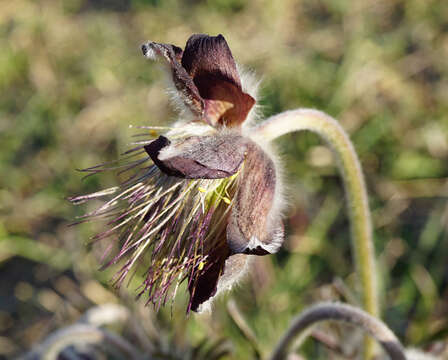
{"type": "Point", "coordinates": [72, 78]}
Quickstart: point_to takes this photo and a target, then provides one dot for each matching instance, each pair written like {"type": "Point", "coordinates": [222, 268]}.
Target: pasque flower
{"type": "Point", "coordinates": [204, 195]}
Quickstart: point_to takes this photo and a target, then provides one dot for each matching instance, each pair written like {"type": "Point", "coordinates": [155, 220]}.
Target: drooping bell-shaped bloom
{"type": "Point", "coordinates": [207, 196]}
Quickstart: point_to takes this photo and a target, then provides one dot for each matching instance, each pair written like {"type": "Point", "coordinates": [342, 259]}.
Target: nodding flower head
{"type": "Point", "coordinates": [204, 195]}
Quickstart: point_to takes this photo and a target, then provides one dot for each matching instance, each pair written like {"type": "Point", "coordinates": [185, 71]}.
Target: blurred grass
{"type": "Point", "coordinates": [72, 79]}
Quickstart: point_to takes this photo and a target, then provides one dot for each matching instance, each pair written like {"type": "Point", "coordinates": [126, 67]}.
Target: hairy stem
{"type": "Point", "coordinates": [82, 334]}
{"type": "Point", "coordinates": [88, 331]}
{"type": "Point", "coordinates": [337, 139]}
{"type": "Point", "coordinates": [344, 313]}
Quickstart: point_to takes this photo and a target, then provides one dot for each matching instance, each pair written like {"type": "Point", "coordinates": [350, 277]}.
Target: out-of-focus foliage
{"type": "Point", "coordinates": [72, 79]}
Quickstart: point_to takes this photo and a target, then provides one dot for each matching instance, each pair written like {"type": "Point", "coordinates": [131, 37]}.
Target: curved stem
{"type": "Point", "coordinates": [345, 313]}
{"type": "Point", "coordinates": [85, 334]}
{"type": "Point", "coordinates": [361, 228]}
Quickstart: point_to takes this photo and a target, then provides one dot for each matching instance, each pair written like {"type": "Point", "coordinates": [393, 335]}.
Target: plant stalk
{"type": "Point", "coordinates": [360, 222]}
{"type": "Point", "coordinates": [343, 313]}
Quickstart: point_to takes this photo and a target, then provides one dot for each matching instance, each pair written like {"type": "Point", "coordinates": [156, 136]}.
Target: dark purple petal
{"type": "Point", "coordinates": [199, 157]}
{"type": "Point", "coordinates": [234, 105]}
{"type": "Point", "coordinates": [209, 61]}
{"type": "Point", "coordinates": [252, 227]}
{"type": "Point", "coordinates": [206, 76]}
{"type": "Point", "coordinates": [182, 80]}
{"type": "Point", "coordinates": [153, 150]}
{"type": "Point", "coordinates": [204, 283]}
{"type": "Point", "coordinates": [210, 55]}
